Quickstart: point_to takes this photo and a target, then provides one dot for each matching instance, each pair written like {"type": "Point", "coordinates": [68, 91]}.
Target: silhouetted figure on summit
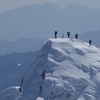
{"type": "Point", "coordinates": [55, 34]}
{"type": "Point", "coordinates": [90, 42]}
{"type": "Point", "coordinates": [76, 36]}
{"type": "Point", "coordinates": [68, 33]}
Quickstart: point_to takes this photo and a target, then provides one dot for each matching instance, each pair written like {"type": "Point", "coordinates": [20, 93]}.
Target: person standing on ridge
{"type": "Point", "coordinates": [76, 36]}
{"type": "Point", "coordinates": [90, 42]}
{"type": "Point", "coordinates": [55, 34]}
{"type": "Point", "coordinates": [68, 33]}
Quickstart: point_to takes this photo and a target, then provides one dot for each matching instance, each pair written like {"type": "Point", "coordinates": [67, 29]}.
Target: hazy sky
{"type": "Point", "coordinates": [11, 4]}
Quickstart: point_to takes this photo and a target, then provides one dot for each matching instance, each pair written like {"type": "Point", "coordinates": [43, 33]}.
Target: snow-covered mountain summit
{"type": "Point", "coordinates": [64, 69]}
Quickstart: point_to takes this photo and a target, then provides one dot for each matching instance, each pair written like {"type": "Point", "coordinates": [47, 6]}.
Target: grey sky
{"type": "Point", "coordinates": [12, 4]}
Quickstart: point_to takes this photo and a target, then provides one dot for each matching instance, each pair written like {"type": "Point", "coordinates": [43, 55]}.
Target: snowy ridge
{"type": "Point", "coordinates": [64, 69]}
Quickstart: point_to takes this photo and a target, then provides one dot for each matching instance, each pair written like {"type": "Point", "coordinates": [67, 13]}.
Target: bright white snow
{"type": "Point", "coordinates": [64, 69]}
{"type": "Point", "coordinates": [39, 98]}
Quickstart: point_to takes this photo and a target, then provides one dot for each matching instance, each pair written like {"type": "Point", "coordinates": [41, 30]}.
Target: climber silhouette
{"type": "Point", "coordinates": [40, 89]}
{"type": "Point", "coordinates": [20, 90]}
{"type": "Point", "coordinates": [90, 42]}
{"type": "Point", "coordinates": [55, 34]}
{"type": "Point", "coordinates": [43, 74]}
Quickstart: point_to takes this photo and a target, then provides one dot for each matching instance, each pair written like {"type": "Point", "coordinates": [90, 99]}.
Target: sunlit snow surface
{"type": "Point", "coordinates": [39, 98]}
{"type": "Point", "coordinates": [72, 72]}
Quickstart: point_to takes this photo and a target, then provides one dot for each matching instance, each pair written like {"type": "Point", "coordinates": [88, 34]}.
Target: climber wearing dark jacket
{"type": "Point", "coordinates": [43, 74]}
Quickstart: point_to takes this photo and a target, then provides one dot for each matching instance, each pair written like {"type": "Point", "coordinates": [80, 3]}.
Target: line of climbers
{"type": "Point", "coordinates": [68, 34]}
{"type": "Point", "coordinates": [43, 77]}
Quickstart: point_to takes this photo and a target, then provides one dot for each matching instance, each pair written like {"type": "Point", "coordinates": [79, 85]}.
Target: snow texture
{"type": "Point", "coordinates": [9, 93]}
{"type": "Point", "coordinates": [39, 98]}
{"type": "Point", "coordinates": [64, 69]}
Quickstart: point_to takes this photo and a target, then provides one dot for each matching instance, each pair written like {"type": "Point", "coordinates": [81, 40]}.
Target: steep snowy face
{"type": "Point", "coordinates": [64, 69]}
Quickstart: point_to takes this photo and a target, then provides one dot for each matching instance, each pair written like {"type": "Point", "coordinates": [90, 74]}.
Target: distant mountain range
{"type": "Point", "coordinates": [13, 66]}
{"type": "Point", "coordinates": [40, 21]}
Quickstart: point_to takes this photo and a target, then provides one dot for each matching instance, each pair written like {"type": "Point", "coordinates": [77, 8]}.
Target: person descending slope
{"type": "Point", "coordinates": [40, 90]}
{"type": "Point", "coordinates": [43, 77]}
{"type": "Point", "coordinates": [43, 74]}
{"type": "Point", "coordinates": [20, 90]}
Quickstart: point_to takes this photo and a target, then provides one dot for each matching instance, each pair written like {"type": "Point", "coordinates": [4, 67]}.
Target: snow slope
{"type": "Point", "coordinates": [9, 93]}
{"type": "Point", "coordinates": [71, 72]}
